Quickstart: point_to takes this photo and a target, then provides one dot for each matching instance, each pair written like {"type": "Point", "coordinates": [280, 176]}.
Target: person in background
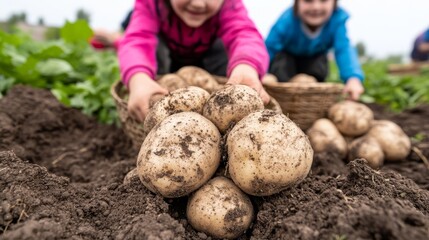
{"type": "Point", "coordinates": [103, 39]}
{"type": "Point", "coordinates": [301, 38]}
{"type": "Point", "coordinates": [420, 52]}
{"type": "Point", "coordinates": [190, 29]}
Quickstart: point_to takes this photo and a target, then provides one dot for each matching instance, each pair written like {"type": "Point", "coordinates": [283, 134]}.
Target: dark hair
{"type": "Point", "coordinates": [295, 6]}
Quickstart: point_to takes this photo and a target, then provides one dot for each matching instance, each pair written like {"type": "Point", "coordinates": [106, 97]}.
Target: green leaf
{"type": "Point", "coordinates": [54, 67]}
{"type": "Point", "coordinates": [54, 50]}
{"type": "Point", "coordinates": [76, 32]}
{"type": "Point", "coordinates": [61, 96]}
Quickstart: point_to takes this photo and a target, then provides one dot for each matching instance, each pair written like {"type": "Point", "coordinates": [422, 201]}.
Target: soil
{"type": "Point", "coordinates": [61, 177]}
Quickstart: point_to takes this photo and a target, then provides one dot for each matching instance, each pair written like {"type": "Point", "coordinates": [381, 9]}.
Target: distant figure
{"type": "Point", "coordinates": [103, 39]}
{"type": "Point", "coordinates": [301, 38]}
{"type": "Point", "coordinates": [420, 51]}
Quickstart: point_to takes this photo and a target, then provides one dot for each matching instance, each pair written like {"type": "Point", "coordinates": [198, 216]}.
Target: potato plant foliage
{"type": "Point", "coordinates": [76, 74]}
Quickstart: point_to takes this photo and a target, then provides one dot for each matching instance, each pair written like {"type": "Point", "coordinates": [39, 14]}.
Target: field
{"type": "Point", "coordinates": [63, 161]}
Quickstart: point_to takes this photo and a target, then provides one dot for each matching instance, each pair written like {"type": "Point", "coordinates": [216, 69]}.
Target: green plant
{"type": "Point", "coordinates": [397, 92]}
{"type": "Point", "coordinates": [75, 73]}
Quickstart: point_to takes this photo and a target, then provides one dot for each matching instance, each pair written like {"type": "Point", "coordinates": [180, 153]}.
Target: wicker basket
{"type": "Point", "coordinates": [305, 103]}
{"type": "Point", "coordinates": [132, 128]}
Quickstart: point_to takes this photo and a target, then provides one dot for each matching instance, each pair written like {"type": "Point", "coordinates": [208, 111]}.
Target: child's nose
{"type": "Point", "coordinates": [197, 4]}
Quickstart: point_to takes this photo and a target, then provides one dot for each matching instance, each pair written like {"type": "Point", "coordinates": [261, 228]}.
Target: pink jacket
{"type": "Point", "coordinates": [137, 51]}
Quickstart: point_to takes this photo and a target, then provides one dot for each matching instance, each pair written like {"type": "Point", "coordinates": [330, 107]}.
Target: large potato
{"type": "Point", "coordinates": [395, 143]}
{"type": "Point", "coordinates": [220, 209]}
{"type": "Point", "coordinates": [190, 99]}
{"type": "Point", "coordinates": [179, 155]}
{"type": "Point", "coordinates": [325, 137]}
{"type": "Point", "coordinates": [229, 105]}
{"type": "Point", "coordinates": [196, 76]}
{"type": "Point", "coordinates": [267, 153]}
{"type": "Point", "coordinates": [367, 147]}
{"type": "Point", "coordinates": [351, 118]}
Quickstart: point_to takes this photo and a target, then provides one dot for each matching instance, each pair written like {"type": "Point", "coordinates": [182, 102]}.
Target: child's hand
{"type": "Point", "coordinates": [108, 39]}
{"type": "Point", "coordinates": [353, 89]}
{"type": "Point", "coordinates": [142, 87]}
{"type": "Point", "coordinates": [246, 75]}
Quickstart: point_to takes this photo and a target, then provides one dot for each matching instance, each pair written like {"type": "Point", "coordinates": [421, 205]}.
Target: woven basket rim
{"type": "Point", "coordinates": [114, 91]}
{"type": "Point", "coordinates": [310, 88]}
{"type": "Point", "coordinates": [322, 85]}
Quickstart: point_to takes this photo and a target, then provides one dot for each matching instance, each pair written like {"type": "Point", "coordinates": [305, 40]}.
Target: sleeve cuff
{"type": "Point", "coordinates": [127, 75]}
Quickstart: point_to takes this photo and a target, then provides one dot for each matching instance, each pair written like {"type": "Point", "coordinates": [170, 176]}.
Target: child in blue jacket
{"type": "Point", "coordinates": [420, 52]}
{"type": "Point", "coordinates": [301, 38]}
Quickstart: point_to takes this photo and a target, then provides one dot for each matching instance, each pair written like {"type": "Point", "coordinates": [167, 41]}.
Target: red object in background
{"type": "Point", "coordinates": [101, 46]}
{"type": "Point", "coordinates": [97, 44]}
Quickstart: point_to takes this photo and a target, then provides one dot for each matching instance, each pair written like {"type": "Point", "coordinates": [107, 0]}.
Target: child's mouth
{"type": "Point", "coordinates": [195, 13]}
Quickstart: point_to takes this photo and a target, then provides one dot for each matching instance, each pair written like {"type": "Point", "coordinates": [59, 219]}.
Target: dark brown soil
{"type": "Point", "coordinates": [61, 177]}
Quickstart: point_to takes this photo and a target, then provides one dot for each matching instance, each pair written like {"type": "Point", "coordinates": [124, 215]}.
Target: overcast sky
{"type": "Point", "coordinates": [385, 26]}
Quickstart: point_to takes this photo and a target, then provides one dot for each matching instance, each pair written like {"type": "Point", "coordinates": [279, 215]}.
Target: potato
{"type": "Point", "coordinates": [325, 137]}
{"type": "Point", "coordinates": [220, 209]}
{"type": "Point", "coordinates": [351, 118]}
{"type": "Point", "coordinates": [229, 105]}
{"type": "Point", "coordinates": [190, 99]}
{"type": "Point", "coordinates": [303, 78]}
{"type": "Point", "coordinates": [172, 82]}
{"type": "Point", "coordinates": [195, 76]}
{"type": "Point", "coordinates": [274, 105]}
{"type": "Point", "coordinates": [269, 79]}
{"type": "Point", "coordinates": [268, 153]}
{"type": "Point", "coordinates": [367, 147]}
{"type": "Point", "coordinates": [130, 175]}
{"type": "Point", "coordinates": [179, 155]}
{"type": "Point", "coordinates": [395, 143]}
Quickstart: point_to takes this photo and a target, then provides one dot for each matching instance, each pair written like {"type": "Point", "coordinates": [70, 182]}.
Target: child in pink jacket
{"type": "Point", "coordinates": [189, 29]}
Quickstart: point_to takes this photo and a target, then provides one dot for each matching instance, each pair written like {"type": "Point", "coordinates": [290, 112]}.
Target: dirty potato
{"type": "Point", "coordinates": [130, 175]}
{"type": "Point", "coordinates": [195, 76]}
{"type": "Point", "coordinates": [220, 209]}
{"type": "Point", "coordinates": [351, 118]}
{"type": "Point", "coordinates": [395, 143]}
{"type": "Point", "coordinates": [367, 147]}
{"type": "Point", "coordinates": [325, 137]}
{"type": "Point", "coordinates": [269, 79]}
{"type": "Point", "coordinates": [274, 105]}
{"type": "Point", "coordinates": [189, 99]}
{"type": "Point", "coordinates": [172, 82]}
{"type": "Point", "coordinates": [303, 78]}
{"type": "Point", "coordinates": [229, 105]}
{"type": "Point", "coordinates": [268, 153]}
{"type": "Point", "coordinates": [179, 155]}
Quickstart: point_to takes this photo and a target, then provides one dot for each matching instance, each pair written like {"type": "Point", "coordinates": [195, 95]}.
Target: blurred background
{"type": "Point", "coordinates": [385, 27]}
{"type": "Point", "coordinates": [45, 44]}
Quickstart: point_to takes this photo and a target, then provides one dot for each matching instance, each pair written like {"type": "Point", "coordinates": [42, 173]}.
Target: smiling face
{"type": "Point", "coordinates": [196, 12]}
{"type": "Point", "coordinates": [315, 13]}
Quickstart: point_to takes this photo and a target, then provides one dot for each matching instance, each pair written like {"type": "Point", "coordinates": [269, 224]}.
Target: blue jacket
{"type": "Point", "coordinates": [288, 35]}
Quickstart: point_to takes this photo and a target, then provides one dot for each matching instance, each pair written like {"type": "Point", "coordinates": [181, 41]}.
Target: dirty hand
{"type": "Point", "coordinates": [353, 89]}
{"type": "Point", "coordinates": [141, 88]}
{"type": "Point", "coordinates": [246, 75]}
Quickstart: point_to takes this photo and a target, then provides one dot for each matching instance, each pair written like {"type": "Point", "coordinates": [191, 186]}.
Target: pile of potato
{"type": "Point", "coordinates": [351, 132]}
{"type": "Point", "coordinates": [200, 123]}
